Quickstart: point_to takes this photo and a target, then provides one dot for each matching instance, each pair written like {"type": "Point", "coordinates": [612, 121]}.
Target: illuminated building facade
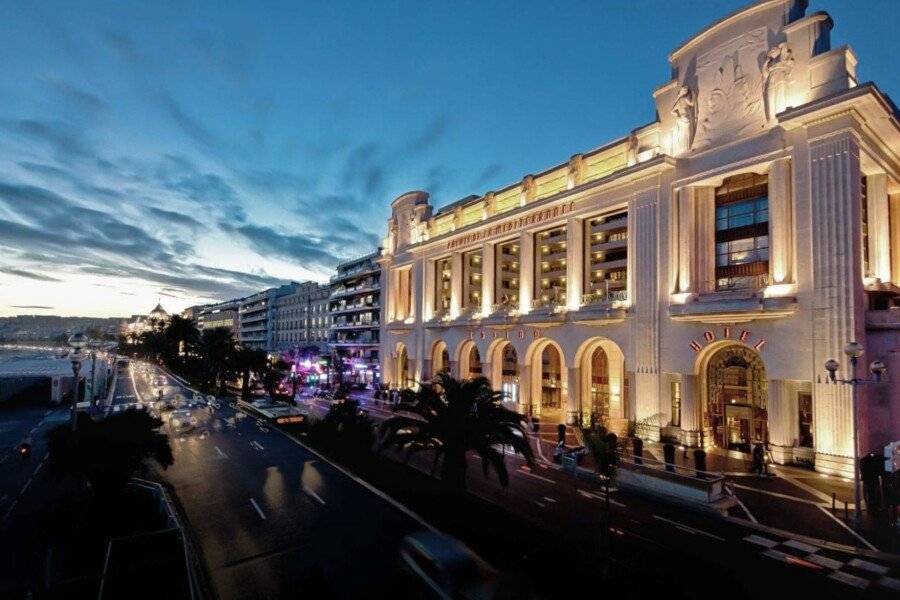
{"type": "Point", "coordinates": [692, 276]}
{"type": "Point", "coordinates": [301, 317]}
{"type": "Point", "coordinates": [354, 309]}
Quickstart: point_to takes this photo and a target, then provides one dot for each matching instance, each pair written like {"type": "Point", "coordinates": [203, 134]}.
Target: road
{"type": "Point", "coordinates": [274, 520]}
{"type": "Point", "coordinates": [645, 527]}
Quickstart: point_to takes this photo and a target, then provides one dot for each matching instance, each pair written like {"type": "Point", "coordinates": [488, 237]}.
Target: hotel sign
{"type": "Point", "coordinates": [522, 334]}
{"type": "Point", "coordinates": [512, 225]}
{"type": "Point", "coordinates": [709, 336]}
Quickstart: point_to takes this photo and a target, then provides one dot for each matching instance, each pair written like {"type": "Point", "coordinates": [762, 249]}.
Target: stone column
{"type": "Point", "coordinates": [839, 297]}
{"type": "Point", "coordinates": [524, 389]}
{"type": "Point", "coordinates": [573, 406]}
{"type": "Point", "coordinates": [878, 213]}
{"type": "Point", "coordinates": [488, 275]}
{"type": "Point", "coordinates": [526, 272]}
{"type": "Point", "coordinates": [781, 425]}
{"type": "Point", "coordinates": [894, 204]}
{"type": "Point", "coordinates": [690, 409]}
{"type": "Point", "coordinates": [456, 284]}
{"type": "Point", "coordinates": [705, 240]}
{"type": "Point", "coordinates": [643, 294]}
{"type": "Point", "coordinates": [686, 239]}
{"type": "Point", "coordinates": [781, 227]}
{"type": "Point", "coordinates": [427, 370]}
{"type": "Point", "coordinates": [416, 283]}
{"type": "Point", "coordinates": [428, 290]}
{"type": "Point", "coordinates": [454, 367]}
{"type": "Point", "coordinates": [574, 262]}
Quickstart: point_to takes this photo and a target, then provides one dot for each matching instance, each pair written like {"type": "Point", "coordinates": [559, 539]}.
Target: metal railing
{"type": "Point", "coordinates": [604, 296]}
{"type": "Point", "coordinates": [549, 302]}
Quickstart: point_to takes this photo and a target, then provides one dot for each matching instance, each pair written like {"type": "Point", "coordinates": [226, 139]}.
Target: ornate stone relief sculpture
{"type": "Point", "coordinates": [776, 76]}
{"type": "Point", "coordinates": [685, 121]}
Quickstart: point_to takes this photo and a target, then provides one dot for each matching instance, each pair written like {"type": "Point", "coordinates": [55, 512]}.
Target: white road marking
{"type": "Point", "coordinates": [222, 454]}
{"type": "Point", "coordinates": [890, 582]}
{"type": "Point", "coordinates": [541, 504]}
{"type": "Point", "coordinates": [25, 487]}
{"type": "Point", "coordinates": [314, 495]}
{"type": "Point", "coordinates": [594, 496]}
{"type": "Point", "coordinates": [803, 547]}
{"type": "Point", "coordinates": [824, 561]}
{"type": "Point", "coordinates": [868, 566]}
{"type": "Point", "coordinates": [256, 445]}
{"type": "Point", "coordinates": [857, 582]}
{"type": "Point", "coordinates": [761, 541]}
{"type": "Point", "coordinates": [549, 499]}
{"type": "Point", "coordinates": [530, 474]}
{"type": "Point", "coordinates": [844, 525]}
{"type": "Point", "coordinates": [746, 510]}
{"type": "Point", "coordinates": [10, 509]}
{"type": "Point", "coordinates": [258, 509]}
{"type": "Point", "coordinates": [684, 527]}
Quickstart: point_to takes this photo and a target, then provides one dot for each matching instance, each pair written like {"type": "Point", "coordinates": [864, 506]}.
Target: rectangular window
{"type": "Point", "coordinates": [676, 403]}
{"type": "Point", "coordinates": [472, 280]}
{"type": "Point", "coordinates": [442, 285]}
{"type": "Point", "coordinates": [805, 414]}
{"type": "Point", "coordinates": [742, 232]}
{"type": "Point", "coordinates": [506, 294]}
{"type": "Point", "coordinates": [550, 267]}
{"type": "Point", "coordinates": [606, 258]}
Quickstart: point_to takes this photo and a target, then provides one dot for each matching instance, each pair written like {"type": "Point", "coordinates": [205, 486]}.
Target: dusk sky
{"type": "Point", "coordinates": [150, 151]}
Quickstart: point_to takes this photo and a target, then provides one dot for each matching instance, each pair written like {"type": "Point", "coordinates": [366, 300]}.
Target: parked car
{"type": "Point", "coordinates": [182, 420]}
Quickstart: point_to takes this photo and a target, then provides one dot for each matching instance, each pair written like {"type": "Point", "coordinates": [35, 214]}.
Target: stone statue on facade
{"type": "Point", "coordinates": [776, 76]}
{"type": "Point", "coordinates": [631, 153]}
{"type": "Point", "coordinates": [685, 120]}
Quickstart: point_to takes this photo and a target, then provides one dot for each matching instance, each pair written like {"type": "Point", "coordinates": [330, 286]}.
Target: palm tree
{"type": "Point", "coordinates": [249, 360]}
{"type": "Point", "coordinates": [217, 346]}
{"type": "Point", "coordinates": [450, 417]}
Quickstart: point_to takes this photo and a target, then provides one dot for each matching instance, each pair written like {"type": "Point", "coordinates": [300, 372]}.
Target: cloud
{"type": "Point", "coordinates": [436, 131]}
{"type": "Point", "coordinates": [85, 102]}
{"type": "Point", "coordinates": [123, 45]}
{"type": "Point", "coordinates": [175, 218]}
{"type": "Point", "coordinates": [32, 306]}
{"type": "Point", "coordinates": [303, 249]}
{"type": "Point", "coordinates": [67, 142]}
{"type": "Point", "coordinates": [487, 175]}
{"type": "Point", "coordinates": [27, 274]}
{"type": "Point", "coordinates": [194, 129]}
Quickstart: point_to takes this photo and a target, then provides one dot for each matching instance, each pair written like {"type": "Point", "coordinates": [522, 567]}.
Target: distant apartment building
{"type": "Point", "coordinates": [223, 314]}
{"type": "Point", "coordinates": [302, 319]}
{"type": "Point", "coordinates": [257, 317]}
{"type": "Point", "coordinates": [355, 307]}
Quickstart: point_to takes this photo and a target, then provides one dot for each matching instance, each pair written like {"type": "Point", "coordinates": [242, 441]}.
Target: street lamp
{"type": "Point", "coordinates": [77, 342]}
{"type": "Point", "coordinates": [854, 351]}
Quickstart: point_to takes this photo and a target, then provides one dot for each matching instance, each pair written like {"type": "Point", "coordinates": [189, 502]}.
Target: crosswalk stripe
{"type": "Point", "coordinates": [890, 582]}
{"type": "Point", "coordinates": [828, 563]}
{"type": "Point", "coordinates": [760, 541]}
{"type": "Point", "coordinates": [857, 582]}
{"type": "Point", "coordinates": [803, 547]}
{"type": "Point", "coordinates": [868, 566]}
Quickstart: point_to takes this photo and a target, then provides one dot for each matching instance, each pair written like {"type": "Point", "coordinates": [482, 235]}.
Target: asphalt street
{"type": "Point", "coordinates": [273, 520]}
{"type": "Point", "coordinates": [645, 526]}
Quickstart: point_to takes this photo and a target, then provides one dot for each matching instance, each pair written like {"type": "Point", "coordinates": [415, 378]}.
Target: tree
{"type": "Point", "coordinates": [345, 430]}
{"type": "Point", "coordinates": [602, 446]}
{"type": "Point", "coordinates": [217, 348]}
{"type": "Point", "coordinates": [450, 417]}
{"type": "Point", "coordinates": [107, 453]}
{"type": "Point", "coordinates": [249, 360]}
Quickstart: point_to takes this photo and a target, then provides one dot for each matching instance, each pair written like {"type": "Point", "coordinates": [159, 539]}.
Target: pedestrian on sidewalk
{"type": "Point", "coordinates": [758, 460]}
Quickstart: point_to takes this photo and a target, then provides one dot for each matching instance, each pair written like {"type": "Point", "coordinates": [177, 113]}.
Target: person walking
{"type": "Point", "coordinates": [758, 460]}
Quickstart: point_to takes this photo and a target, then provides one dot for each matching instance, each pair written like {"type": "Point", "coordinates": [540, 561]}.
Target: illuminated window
{"type": "Point", "coordinates": [442, 285]}
{"type": "Point", "coordinates": [676, 403]}
{"type": "Point", "coordinates": [472, 279]}
{"type": "Point", "coordinates": [506, 293]}
{"type": "Point", "coordinates": [742, 232]}
{"type": "Point", "coordinates": [864, 225]}
{"type": "Point", "coordinates": [804, 405]}
{"type": "Point", "coordinates": [550, 267]}
{"type": "Point", "coordinates": [606, 258]}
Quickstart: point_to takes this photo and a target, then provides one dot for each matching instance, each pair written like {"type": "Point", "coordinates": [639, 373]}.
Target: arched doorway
{"type": "Point", "coordinates": [469, 361]}
{"type": "Point", "coordinates": [440, 358]}
{"type": "Point", "coordinates": [551, 380]}
{"type": "Point", "coordinates": [504, 362]}
{"type": "Point", "coordinates": [736, 407]}
{"type": "Point", "coordinates": [403, 375]}
{"type": "Point", "coordinates": [602, 386]}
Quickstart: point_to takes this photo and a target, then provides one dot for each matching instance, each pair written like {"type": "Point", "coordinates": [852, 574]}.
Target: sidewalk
{"type": "Point", "coordinates": [791, 498]}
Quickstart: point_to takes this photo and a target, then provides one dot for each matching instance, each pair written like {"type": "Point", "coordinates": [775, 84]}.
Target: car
{"type": "Point", "coordinates": [183, 419]}
{"type": "Point", "coordinates": [447, 566]}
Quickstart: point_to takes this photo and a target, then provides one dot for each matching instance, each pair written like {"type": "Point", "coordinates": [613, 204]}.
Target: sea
{"type": "Point", "coordinates": [11, 353]}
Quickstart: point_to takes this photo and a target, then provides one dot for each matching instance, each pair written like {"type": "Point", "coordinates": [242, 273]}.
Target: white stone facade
{"type": "Point", "coordinates": [692, 277]}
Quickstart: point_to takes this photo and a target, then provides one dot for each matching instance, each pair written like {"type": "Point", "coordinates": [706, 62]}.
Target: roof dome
{"type": "Point", "coordinates": [159, 311]}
